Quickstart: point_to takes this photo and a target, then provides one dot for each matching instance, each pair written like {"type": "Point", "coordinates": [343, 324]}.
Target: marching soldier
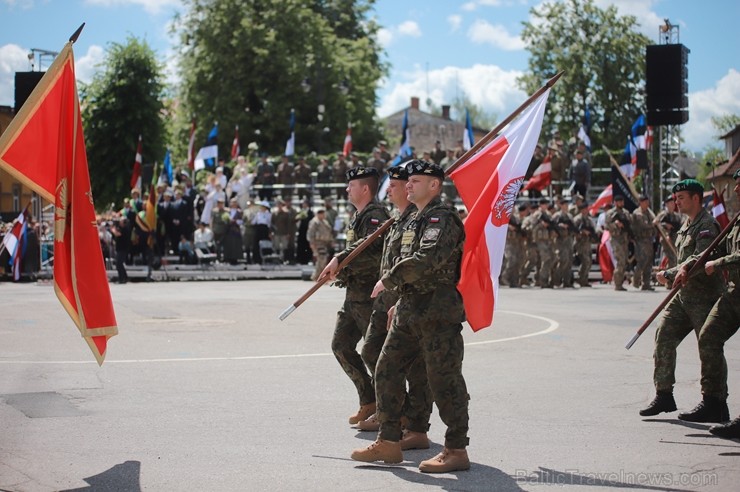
{"type": "Point", "coordinates": [359, 277]}
{"type": "Point", "coordinates": [563, 245]}
{"type": "Point", "coordinates": [514, 251]}
{"type": "Point", "coordinates": [531, 260]}
{"type": "Point", "coordinates": [722, 323]}
{"type": "Point", "coordinates": [618, 225]}
{"type": "Point", "coordinates": [320, 236]}
{"type": "Point", "coordinates": [670, 221]}
{"type": "Point", "coordinates": [690, 306]}
{"type": "Point", "coordinates": [585, 233]}
{"type": "Point", "coordinates": [427, 323]}
{"type": "Point", "coordinates": [644, 232]}
{"type": "Point", "coordinates": [541, 227]}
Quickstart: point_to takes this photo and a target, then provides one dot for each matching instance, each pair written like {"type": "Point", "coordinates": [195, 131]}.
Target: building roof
{"type": "Point", "coordinates": [728, 168]}
{"type": "Point", "coordinates": [730, 133]}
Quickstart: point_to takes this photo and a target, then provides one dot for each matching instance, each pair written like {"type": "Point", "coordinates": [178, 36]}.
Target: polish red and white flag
{"type": "Point", "coordinates": [489, 183]}
{"type": "Point", "coordinates": [542, 176]}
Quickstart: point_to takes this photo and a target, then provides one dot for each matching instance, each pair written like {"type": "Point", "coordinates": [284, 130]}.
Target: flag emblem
{"type": "Point", "coordinates": [505, 204]}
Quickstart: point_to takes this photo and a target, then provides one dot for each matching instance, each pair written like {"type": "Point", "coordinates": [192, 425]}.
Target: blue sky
{"type": "Point", "coordinates": [437, 48]}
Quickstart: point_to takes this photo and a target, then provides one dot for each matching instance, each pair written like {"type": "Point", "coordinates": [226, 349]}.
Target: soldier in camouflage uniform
{"type": "Point", "coordinates": [619, 226]}
{"type": "Point", "coordinates": [531, 260]}
{"type": "Point", "coordinates": [563, 245]}
{"type": "Point", "coordinates": [427, 322]}
{"type": "Point", "coordinates": [540, 228]}
{"type": "Point", "coordinates": [585, 233]}
{"type": "Point", "coordinates": [722, 323]}
{"type": "Point", "coordinates": [644, 232]}
{"type": "Point", "coordinates": [690, 306]}
{"type": "Point", "coordinates": [359, 277]}
{"type": "Point", "coordinates": [515, 250]}
{"type": "Point", "coordinates": [670, 221]}
{"type": "Point", "coordinates": [418, 402]}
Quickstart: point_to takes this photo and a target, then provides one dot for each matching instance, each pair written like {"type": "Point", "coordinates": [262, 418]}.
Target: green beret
{"type": "Point", "coordinates": [362, 172]}
{"type": "Point", "coordinates": [424, 168]}
{"type": "Point", "coordinates": [736, 174]}
{"type": "Point", "coordinates": [398, 173]}
{"type": "Point", "coordinates": [688, 185]}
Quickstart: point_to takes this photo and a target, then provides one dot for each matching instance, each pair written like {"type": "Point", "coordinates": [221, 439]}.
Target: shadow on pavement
{"type": "Point", "coordinates": [621, 479]}
{"type": "Point", "coordinates": [123, 477]}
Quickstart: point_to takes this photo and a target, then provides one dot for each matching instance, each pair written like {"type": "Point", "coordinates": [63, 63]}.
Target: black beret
{"type": "Point", "coordinates": [398, 173]}
{"type": "Point", "coordinates": [688, 185]}
{"type": "Point", "coordinates": [522, 207]}
{"type": "Point", "coordinates": [360, 172]}
{"type": "Point", "coordinates": [643, 198]}
{"type": "Point", "coordinates": [736, 174]}
{"type": "Point", "coordinates": [563, 201]}
{"type": "Point", "coordinates": [424, 168]}
{"type": "Point", "coordinates": [669, 198]}
{"type": "Point", "coordinates": [582, 206]}
{"type": "Point", "coordinates": [618, 198]}
{"type": "Point", "coordinates": [544, 201]}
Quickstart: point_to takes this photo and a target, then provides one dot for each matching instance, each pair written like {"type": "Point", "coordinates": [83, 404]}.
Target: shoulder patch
{"type": "Point", "coordinates": [706, 233]}
{"type": "Point", "coordinates": [374, 221]}
{"type": "Point", "coordinates": [433, 220]}
{"type": "Point", "coordinates": [431, 234]}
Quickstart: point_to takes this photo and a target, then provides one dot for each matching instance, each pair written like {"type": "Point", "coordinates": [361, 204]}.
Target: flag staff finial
{"type": "Point", "coordinates": [73, 37]}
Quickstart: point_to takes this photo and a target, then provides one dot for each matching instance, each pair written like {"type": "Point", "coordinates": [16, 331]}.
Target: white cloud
{"type": "Point", "coordinates": [409, 28]}
{"type": "Point", "coordinates": [151, 6]}
{"type": "Point", "coordinates": [13, 59]}
{"type": "Point", "coordinates": [497, 35]}
{"type": "Point", "coordinates": [24, 4]}
{"type": "Point", "coordinates": [642, 10]}
{"type": "Point", "coordinates": [722, 99]}
{"type": "Point", "coordinates": [488, 86]}
{"type": "Point", "coordinates": [469, 6]}
{"type": "Point", "coordinates": [384, 36]}
{"type": "Point", "coordinates": [87, 65]}
{"type": "Point", "coordinates": [455, 21]}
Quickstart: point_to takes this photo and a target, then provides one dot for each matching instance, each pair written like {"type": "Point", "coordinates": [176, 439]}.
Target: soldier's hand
{"type": "Point", "coordinates": [709, 267]}
{"type": "Point", "coordinates": [619, 224]}
{"type": "Point", "coordinates": [681, 278]}
{"type": "Point", "coordinates": [379, 287]}
{"type": "Point", "coordinates": [660, 277]}
{"type": "Point", "coordinates": [331, 269]}
{"type": "Point", "coordinates": [391, 312]}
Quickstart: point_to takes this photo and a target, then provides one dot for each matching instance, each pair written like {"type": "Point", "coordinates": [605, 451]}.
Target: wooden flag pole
{"type": "Point", "coordinates": [695, 268]}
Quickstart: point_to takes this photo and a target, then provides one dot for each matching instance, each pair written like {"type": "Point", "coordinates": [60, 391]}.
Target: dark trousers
{"type": "Point", "coordinates": [121, 256]}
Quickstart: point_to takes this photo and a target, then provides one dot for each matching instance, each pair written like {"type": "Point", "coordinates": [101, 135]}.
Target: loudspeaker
{"type": "Point", "coordinates": [25, 82]}
{"type": "Point", "coordinates": [668, 117]}
{"type": "Point", "coordinates": [666, 83]}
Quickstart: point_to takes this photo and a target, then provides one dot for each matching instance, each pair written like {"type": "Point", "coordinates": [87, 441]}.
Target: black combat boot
{"type": "Point", "coordinates": [730, 430]}
{"type": "Point", "coordinates": [663, 402]}
{"type": "Point", "coordinates": [709, 409]}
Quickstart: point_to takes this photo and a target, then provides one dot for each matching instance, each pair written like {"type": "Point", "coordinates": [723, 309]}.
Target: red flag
{"type": "Point", "coordinates": [488, 184]}
{"type": "Point", "coordinates": [604, 198]}
{"type": "Point", "coordinates": [136, 176]}
{"type": "Point", "coordinates": [191, 146]}
{"type": "Point", "coordinates": [44, 148]}
{"type": "Point", "coordinates": [347, 149]}
{"type": "Point", "coordinates": [718, 209]}
{"type": "Point", "coordinates": [235, 144]}
{"type": "Point", "coordinates": [542, 176]}
{"type": "Point", "coordinates": [606, 257]}
{"type": "Point", "coordinates": [12, 238]}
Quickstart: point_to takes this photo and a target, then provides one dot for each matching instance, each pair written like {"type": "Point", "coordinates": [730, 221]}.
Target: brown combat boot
{"type": "Point", "coordinates": [448, 460]}
{"type": "Point", "coordinates": [414, 440]}
{"type": "Point", "coordinates": [364, 412]}
{"type": "Point", "coordinates": [380, 450]}
{"type": "Point", "coordinates": [370, 424]}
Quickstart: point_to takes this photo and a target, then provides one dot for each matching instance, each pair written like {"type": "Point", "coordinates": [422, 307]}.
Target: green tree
{"type": "Point", "coordinates": [124, 100]}
{"type": "Point", "coordinates": [725, 123]}
{"type": "Point", "coordinates": [249, 62]}
{"type": "Point", "coordinates": [604, 61]}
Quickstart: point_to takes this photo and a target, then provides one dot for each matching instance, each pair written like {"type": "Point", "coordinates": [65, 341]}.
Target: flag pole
{"type": "Point", "coordinates": [494, 133]}
{"type": "Point", "coordinates": [73, 37]}
{"type": "Point", "coordinates": [695, 268]}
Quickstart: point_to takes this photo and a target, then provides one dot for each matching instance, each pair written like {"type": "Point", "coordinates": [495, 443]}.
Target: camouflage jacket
{"type": "Point", "coordinates": [392, 253]}
{"type": "Point", "coordinates": [565, 227]}
{"type": "Point", "coordinates": [727, 256]}
{"type": "Point", "coordinates": [538, 230]}
{"type": "Point", "coordinates": [693, 238]}
{"type": "Point", "coordinates": [360, 275]}
{"type": "Point", "coordinates": [622, 215]}
{"type": "Point", "coordinates": [642, 224]}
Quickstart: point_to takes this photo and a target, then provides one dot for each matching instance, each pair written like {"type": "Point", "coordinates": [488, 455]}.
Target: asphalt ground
{"type": "Point", "coordinates": [204, 389]}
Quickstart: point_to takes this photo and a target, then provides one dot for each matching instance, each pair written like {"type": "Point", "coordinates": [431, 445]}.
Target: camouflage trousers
{"type": "Point", "coordinates": [644, 256]}
{"type": "Point", "coordinates": [514, 256]}
{"type": "Point", "coordinates": [583, 252]}
{"type": "Point", "coordinates": [680, 318]}
{"type": "Point", "coordinates": [722, 322]}
{"type": "Point", "coordinates": [529, 264]}
{"type": "Point", "coordinates": [421, 334]}
{"type": "Point", "coordinates": [563, 262]}
{"type": "Point", "coordinates": [352, 322]}
{"type": "Point", "coordinates": [621, 255]}
{"type": "Point", "coordinates": [547, 261]}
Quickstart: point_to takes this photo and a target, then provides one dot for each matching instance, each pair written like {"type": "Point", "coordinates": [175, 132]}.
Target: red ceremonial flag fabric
{"type": "Point", "coordinates": [136, 175]}
{"type": "Point", "coordinates": [606, 257]}
{"type": "Point", "coordinates": [488, 184]}
{"type": "Point", "coordinates": [44, 148]}
{"type": "Point", "coordinates": [191, 147]}
{"type": "Point", "coordinates": [347, 149]}
{"type": "Point", "coordinates": [604, 198]}
{"type": "Point", "coordinates": [235, 144]}
{"type": "Point", "coordinates": [718, 209]}
{"type": "Point", "coordinates": [542, 176]}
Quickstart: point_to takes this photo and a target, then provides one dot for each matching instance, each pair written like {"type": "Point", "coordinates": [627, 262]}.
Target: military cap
{"type": "Point", "coordinates": [544, 201]}
{"type": "Point", "coordinates": [736, 174]}
{"type": "Point", "coordinates": [669, 198]}
{"type": "Point", "coordinates": [382, 142]}
{"type": "Point", "coordinates": [688, 185]}
{"type": "Point", "coordinates": [398, 173]}
{"type": "Point", "coordinates": [419, 167]}
{"type": "Point", "coordinates": [360, 172]}
{"type": "Point", "coordinates": [618, 198]}
{"type": "Point", "coordinates": [563, 201]}
{"type": "Point", "coordinates": [522, 207]}
{"type": "Point", "coordinates": [643, 198]}
{"type": "Point", "coordinates": [582, 206]}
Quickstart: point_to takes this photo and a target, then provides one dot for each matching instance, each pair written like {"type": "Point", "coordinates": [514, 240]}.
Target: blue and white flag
{"type": "Point", "coordinates": [404, 153]}
{"type": "Point", "coordinates": [208, 155]}
{"type": "Point", "coordinates": [468, 139]}
{"type": "Point", "coordinates": [167, 169]}
{"type": "Point", "coordinates": [290, 144]}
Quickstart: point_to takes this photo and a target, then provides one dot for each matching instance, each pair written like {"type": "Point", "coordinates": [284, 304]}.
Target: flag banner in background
{"type": "Point", "coordinates": [136, 175]}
